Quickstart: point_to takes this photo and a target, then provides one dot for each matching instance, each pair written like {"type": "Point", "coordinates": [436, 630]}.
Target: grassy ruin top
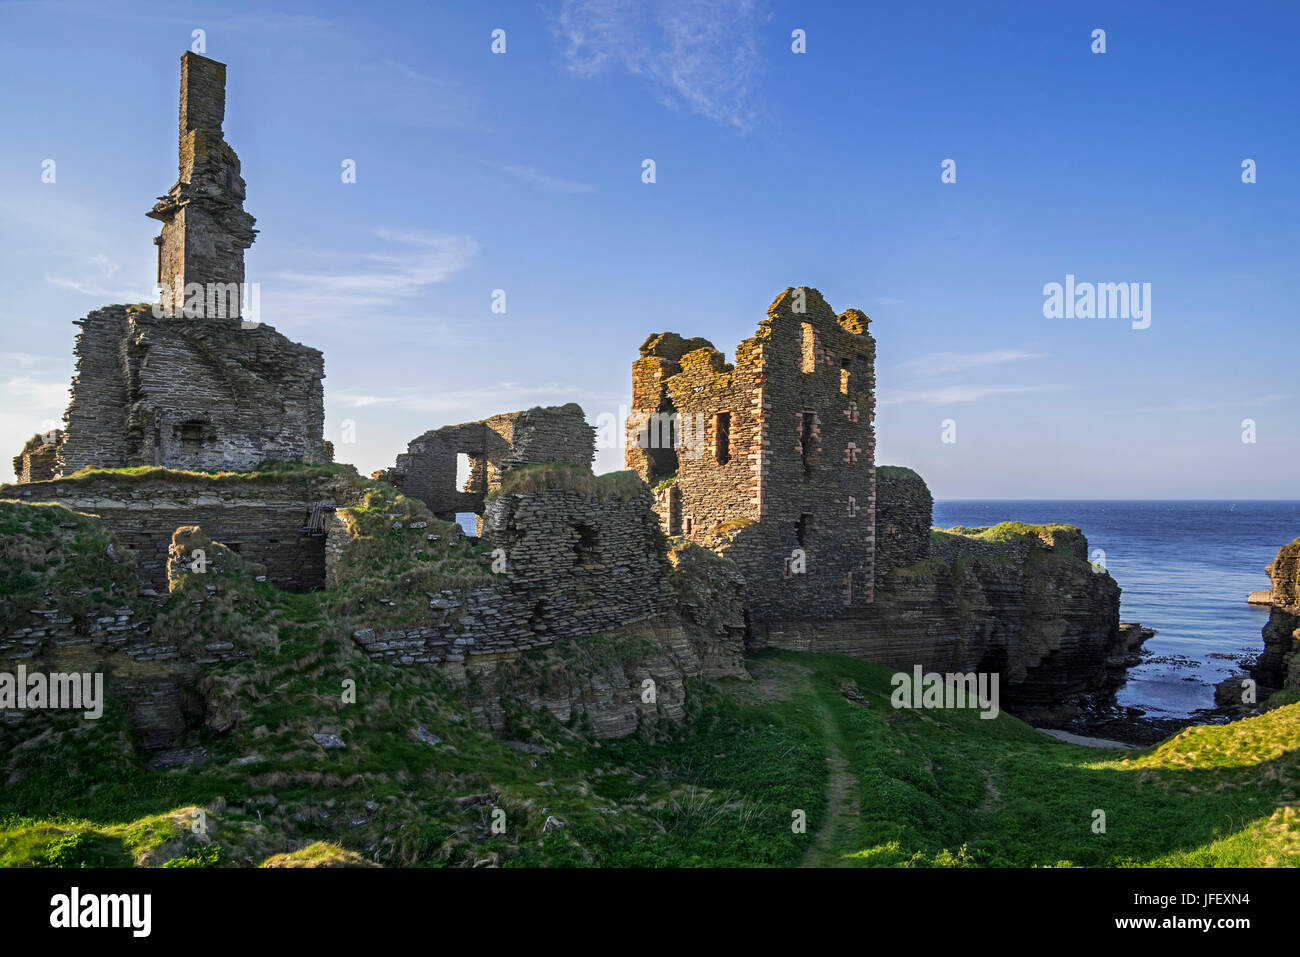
{"type": "Point", "coordinates": [266, 472]}
{"type": "Point", "coordinates": [570, 478]}
{"type": "Point", "coordinates": [896, 472]}
{"type": "Point", "coordinates": [1057, 538]}
{"type": "Point", "coordinates": [50, 550]}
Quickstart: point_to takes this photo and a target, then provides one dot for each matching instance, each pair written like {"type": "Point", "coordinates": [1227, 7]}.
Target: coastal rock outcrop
{"type": "Point", "coordinates": [1019, 601]}
{"type": "Point", "coordinates": [1278, 666]}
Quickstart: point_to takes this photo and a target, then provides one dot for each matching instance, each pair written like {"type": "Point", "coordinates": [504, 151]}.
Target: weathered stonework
{"type": "Point", "coordinates": [150, 650]}
{"type": "Point", "coordinates": [1027, 606]}
{"type": "Point", "coordinates": [771, 460]}
{"type": "Point", "coordinates": [267, 521]}
{"type": "Point", "coordinates": [1278, 666]}
{"type": "Point", "coordinates": [190, 394]}
{"type": "Point", "coordinates": [574, 564]}
{"type": "Point", "coordinates": [159, 385]}
{"type": "Point", "coordinates": [38, 461]}
{"type": "Point", "coordinates": [903, 518]}
{"type": "Point", "coordinates": [205, 228]}
{"type": "Point", "coordinates": [537, 436]}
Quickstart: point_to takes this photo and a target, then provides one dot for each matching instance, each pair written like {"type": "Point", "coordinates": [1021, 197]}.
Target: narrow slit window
{"type": "Point", "coordinates": [806, 439]}
{"type": "Point", "coordinates": [722, 437]}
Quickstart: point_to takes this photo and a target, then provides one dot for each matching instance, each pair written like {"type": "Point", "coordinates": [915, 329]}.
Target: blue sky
{"type": "Point", "coordinates": [522, 172]}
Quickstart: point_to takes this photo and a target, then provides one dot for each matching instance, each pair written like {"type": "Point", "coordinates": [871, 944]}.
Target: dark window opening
{"type": "Point", "coordinates": [803, 530]}
{"type": "Point", "coordinates": [234, 546]}
{"type": "Point", "coordinates": [538, 620]}
{"type": "Point", "coordinates": [660, 438]}
{"type": "Point", "coordinates": [722, 437]}
{"type": "Point", "coordinates": [806, 440]}
{"type": "Point", "coordinates": [587, 548]}
{"type": "Point", "coordinates": [192, 436]}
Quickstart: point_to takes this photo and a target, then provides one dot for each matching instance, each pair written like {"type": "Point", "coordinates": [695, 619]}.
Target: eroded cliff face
{"type": "Point", "coordinates": [1019, 601]}
{"type": "Point", "coordinates": [1279, 665]}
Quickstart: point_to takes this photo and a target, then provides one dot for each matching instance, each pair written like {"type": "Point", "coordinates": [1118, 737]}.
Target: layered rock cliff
{"type": "Point", "coordinates": [1019, 601]}
{"type": "Point", "coordinates": [1279, 665]}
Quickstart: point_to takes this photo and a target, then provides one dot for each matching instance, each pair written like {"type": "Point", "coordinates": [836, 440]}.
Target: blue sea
{"type": "Point", "coordinates": [1185, 568]}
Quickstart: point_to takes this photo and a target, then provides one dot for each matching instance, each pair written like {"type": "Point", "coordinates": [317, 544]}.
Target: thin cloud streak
{"type": "Point", "coordinates": [699, 53]}
{"type": "Point", "coordinates": [555, 184]}
{"type": "Point", "coordinates": [956, 394]}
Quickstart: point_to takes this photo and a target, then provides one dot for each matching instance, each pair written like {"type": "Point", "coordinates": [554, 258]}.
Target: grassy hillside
{"type": "Point", "coordinates": [418, 780]}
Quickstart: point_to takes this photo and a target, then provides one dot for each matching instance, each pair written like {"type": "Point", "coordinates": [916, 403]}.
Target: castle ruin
{"type": "Point", "coordinates": [752, 513]}
{"type": "Point", "coordinates": [187, 383]}
{"type": "Point", "coordinates": [769, 460]}
{"type": "Point", "coordinates": [427, 470]}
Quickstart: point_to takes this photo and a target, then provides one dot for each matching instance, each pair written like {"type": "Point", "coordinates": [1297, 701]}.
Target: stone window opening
{"type": "Point", "coordinates": [470, 520]}
{"type": "Point", "coordinates": [809, 348]}
{"type": "Point", "coordinates": [463, 471]}
{"type": "Point", "coordinates": [803, 529]}
{"type": "Point", "coordinates": [193, 435]}
{"type": "Point", "coordinates": [722, 438]}
{"type": "Point", "coordinates": [806, 429]}
{"type": "Point", "coordinates": [846, 372]}
{"type": "Point", "coordinates": [688, 522]}
{"type": "Point", "coordinates": [538, 620]}
{"type": "Point", "coordinates": [586, 549]}
{"type": "Point", "coordinates": [661, 437]}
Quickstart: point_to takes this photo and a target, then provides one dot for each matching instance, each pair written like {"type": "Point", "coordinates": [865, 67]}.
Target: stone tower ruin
{"type": "Point", "coordinates": [189, 383]}
{"type": "Point", "coordinates": [770, 460]}
{"type": "Point", "coordinates": [205, 228]}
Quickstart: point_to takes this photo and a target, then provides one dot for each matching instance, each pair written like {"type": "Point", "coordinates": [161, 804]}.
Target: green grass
{"type": "Point", "coordinates": [269, 471]}
{"type": "Point", "coordinates": [573, 478]}
{"type": "Point", "coordinates": [931, 788]}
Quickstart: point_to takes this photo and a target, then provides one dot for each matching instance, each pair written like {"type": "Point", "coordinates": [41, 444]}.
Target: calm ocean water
{"type": "Point", "coordinates": [1185, 569]}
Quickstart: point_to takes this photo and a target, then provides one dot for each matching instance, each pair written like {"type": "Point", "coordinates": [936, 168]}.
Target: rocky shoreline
{"type": "Point", "coordinates": [1275, 668]}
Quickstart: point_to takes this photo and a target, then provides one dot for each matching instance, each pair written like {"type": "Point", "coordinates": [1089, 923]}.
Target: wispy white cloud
{"type": "Point", "coordinates": [354, 400]}
{"type": "Point", "coordinates": [413, 262]}
{"type": "Point", "coordinates": [23, 360]}
{"type": "Point", "coordinates": [455, 405]}
{"type": "Point", "coordinates": [945, 363]}
{"type": "Point", "coordinates": [955, 394]}
{"type": "Point", "coordinates": [556, 184]}
{"type": "Point", "coordinates": [96, 277]}
{"type": "Point", "coordinates": [702, 54]}
{"type": "Point", "coordinates": [921, 375]}
{"type": "Point", "coordinates": [1245, 406]}
{"type": "Point", "coordinates": [36, 394]}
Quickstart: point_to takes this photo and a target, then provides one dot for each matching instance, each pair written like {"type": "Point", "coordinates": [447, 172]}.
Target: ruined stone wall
{"type": "Point", "coordinates": [538, 436]}
{"type": "Point", "coordinates": [189, 391]}
{"type": "Point", "coordinates": [796, 469]}
{"type": "Point", "coordinates": [38, 460]}
{"type": "Point", "coordinates": [96, 420]}
{"type": "Point", "coordinates": [576, 564]}
{"type": "Point", "coordinates": [903, 519]}
{"type": "Point", "coordinates": [1033, 611]}
{"type": "Point", "coordinates": [205, 228]}
{"type": "Point", "coordinates": [188, 394]}
{"type": "Point", "coordinates": [263, 521]}
{"type": "Point", "coordinates": [149, 650]}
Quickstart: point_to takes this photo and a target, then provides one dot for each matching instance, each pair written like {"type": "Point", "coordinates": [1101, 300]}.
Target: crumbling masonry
{"type": "Point", "coordinates": [538, 436]}
{"type": "Point", "coordinates": [770, 460]}
{"type": "Point", "coordinates": [187, 384]}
